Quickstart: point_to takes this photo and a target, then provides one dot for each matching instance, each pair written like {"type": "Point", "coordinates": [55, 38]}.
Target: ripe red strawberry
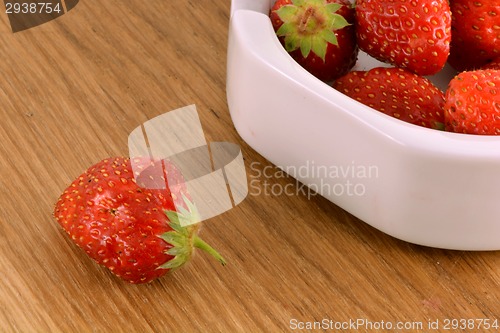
{"type": "Point", "coordinates": [414, 34]}
{"type": "Point", "coordinates": [476, 33]}
{"type": "Point", "coordinates": [132, 230]}
{"type": "Point", "coordinates": [318, 34]}
{"type": "Point", "coordinates": [396, 92]}
{"type": "Point", "coordinates": [473, 103]}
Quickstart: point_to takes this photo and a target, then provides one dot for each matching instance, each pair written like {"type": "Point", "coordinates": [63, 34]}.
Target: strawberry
{"type": "Point", "coordinates": [476, 33]}
{"type": "Point", "coordinates": [318, 34]}
{"type": "Point", "coordinates": [414, 34]}
{"type": "Point", "coordinates": [125, 224]}
{"type": "Point", "coordinates": [473, 103]}
{"type": "Point", "coordinates": [396, 92]}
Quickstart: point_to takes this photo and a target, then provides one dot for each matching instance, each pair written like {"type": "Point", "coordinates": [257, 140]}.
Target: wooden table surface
{"type": "Point", "coordinates": [73, 89]}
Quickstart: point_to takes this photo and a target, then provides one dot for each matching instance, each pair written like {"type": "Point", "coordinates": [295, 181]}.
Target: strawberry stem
{"type": "Point", "coordinates": [202, 245]}
{"type": "Point", "coordinates": [305, 19]}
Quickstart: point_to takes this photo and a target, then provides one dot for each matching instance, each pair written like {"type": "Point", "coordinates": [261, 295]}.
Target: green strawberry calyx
{"type": "Point", "coordinates": [438, 126]}
{"type": "Point", "coordinates": [309, 25]}
{"type": "Point", "coordinates": [183, 236]}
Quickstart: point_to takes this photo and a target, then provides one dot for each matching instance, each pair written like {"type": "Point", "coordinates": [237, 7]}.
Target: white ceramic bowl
{"type": "Point", "coordinates": [420, 185]}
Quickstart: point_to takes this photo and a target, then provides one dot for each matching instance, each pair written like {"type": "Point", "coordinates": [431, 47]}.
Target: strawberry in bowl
{"type": "Point", "coordinates": [414, 34]}
{"type": "Point", "coordinates": [398, 93]}
{"type": "Point", "coordinates": [318, 34]}
{"type": "Point", "coordinates": [473, 103]}
{"type": "Point", "coordinates": [476, 33]}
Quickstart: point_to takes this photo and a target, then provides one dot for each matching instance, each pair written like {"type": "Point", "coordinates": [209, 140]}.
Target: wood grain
{"type": "Point", "coordinates": [70, 93]}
